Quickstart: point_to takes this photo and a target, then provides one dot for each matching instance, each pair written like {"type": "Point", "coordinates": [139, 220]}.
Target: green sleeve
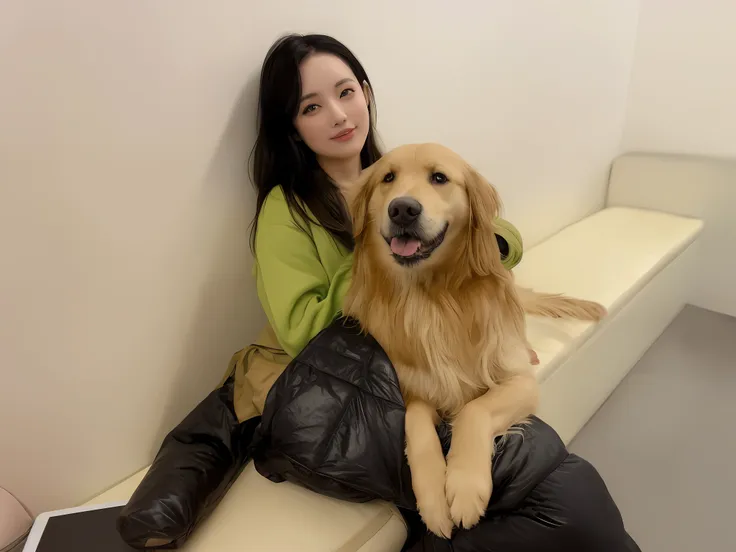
{"type": "Point", "coordinates": [297, 295]}
{"type": "Point", "coordinates": [512, 236]}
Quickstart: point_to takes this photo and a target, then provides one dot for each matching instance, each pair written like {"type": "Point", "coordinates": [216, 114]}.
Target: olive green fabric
{"type": "Point", "coordinates": [303, 274]}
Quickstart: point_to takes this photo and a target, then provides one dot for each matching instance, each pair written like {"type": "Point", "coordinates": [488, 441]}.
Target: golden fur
{"type": "Point", "coordinates": [453, 324]}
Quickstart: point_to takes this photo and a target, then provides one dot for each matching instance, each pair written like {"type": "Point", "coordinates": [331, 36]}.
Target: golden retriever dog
{"type": "Point", "coordinates": [429, 285]}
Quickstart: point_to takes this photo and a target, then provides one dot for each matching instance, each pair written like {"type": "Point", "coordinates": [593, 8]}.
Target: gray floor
{"type": "Point", "coordinates": [665, 441]}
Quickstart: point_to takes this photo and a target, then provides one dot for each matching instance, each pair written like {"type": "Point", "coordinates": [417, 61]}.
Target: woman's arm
{"type": "Point", "coordinates": [299, 298]}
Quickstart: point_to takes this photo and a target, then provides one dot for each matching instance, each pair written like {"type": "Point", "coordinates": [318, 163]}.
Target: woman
{"type": "Point", "coordinates": [315, 136]}
{"type": "Point", "coordinates": [316, 131]}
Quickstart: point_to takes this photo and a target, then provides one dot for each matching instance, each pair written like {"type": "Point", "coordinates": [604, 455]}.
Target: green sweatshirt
{"type": "Point", "coordinates": [302, 277]}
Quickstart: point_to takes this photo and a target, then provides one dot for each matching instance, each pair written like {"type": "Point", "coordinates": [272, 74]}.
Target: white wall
{"type": "Point", "coordinates": [683, 86]}
{"type": "Point", "coordinates": [123, 218]}
{"type": "Point", "coordinates": [682, 100]}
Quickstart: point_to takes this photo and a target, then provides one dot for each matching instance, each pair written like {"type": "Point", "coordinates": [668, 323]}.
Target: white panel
{"type": "Point", "coordinates": [574, 392]}
{"type": "Point", "coordinates": [640, 265]}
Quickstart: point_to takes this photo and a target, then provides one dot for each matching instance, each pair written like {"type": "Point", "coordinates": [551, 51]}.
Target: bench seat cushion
{"type": "Point", "coordinates": [607, 257]}
{"type": "Point", "coordinates": [274, 517]}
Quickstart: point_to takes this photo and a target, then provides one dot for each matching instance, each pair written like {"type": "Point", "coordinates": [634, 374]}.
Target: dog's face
{"type": "Point", "coordinates": [423, 206]}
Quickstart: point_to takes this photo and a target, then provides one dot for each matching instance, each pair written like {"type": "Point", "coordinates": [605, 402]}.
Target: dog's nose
{"type": "Point", "coordinates": [404, 210]}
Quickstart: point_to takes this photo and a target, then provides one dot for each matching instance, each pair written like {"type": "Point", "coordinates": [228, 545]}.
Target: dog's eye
{"type": "Point", "coordinates": [438, 178]}
{"type": "Point", "coordinates": [389, 177]}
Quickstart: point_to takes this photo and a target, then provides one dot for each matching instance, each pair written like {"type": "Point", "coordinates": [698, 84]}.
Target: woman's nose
{"type": "Point", "coordinates": [338, 114]}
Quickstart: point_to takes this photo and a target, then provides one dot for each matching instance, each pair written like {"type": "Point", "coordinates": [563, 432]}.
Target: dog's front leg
{"type": "Point", "coordinates": [428, 468]}
{"type": "Point", "coordinates": [469, 483]}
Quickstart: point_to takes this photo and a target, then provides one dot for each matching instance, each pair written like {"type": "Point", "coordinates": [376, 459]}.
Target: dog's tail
{"type": "Point", "coordinates": [560, 306]}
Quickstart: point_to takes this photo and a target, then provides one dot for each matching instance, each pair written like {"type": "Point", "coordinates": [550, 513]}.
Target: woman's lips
{"type": "Point", "coordinates": [345, 135]}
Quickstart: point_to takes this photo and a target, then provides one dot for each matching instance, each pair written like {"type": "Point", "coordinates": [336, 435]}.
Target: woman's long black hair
{"type": "Point", "coordinates": [279, 158]}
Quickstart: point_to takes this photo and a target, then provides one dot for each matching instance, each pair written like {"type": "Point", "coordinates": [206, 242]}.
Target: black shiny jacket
{"type": "Point", "coordinates": [334, 422]}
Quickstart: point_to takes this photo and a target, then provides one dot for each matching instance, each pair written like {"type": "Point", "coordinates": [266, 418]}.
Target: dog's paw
{"type": "Point", "coordinates": [468, 487]}
{"type": "Point", "coordinates": [428, 482]}
{"type": "Point", "coordinates": [435, 513]}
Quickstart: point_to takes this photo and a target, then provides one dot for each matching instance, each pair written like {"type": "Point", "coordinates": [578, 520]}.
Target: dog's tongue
{"type": "Point", "coordinates": [405, 247]}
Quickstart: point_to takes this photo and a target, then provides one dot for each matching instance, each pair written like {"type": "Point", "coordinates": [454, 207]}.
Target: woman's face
{"type": "Point", "coordinates": [333, 118]}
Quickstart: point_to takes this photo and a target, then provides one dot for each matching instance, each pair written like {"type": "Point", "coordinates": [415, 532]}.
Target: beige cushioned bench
{"type": "Point", "coordinates": [637, 263]}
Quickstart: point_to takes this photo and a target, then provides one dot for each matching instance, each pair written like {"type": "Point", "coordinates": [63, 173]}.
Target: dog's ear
{"type": "Point", "coordinates": [357, 196]}
{"type": "Point", "coordinates": [484, 206]}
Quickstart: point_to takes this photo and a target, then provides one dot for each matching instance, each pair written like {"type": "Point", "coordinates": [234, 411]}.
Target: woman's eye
{"type": "Point", "coordinates": [439, 178]}
{"type": "Point", "coordinates": [311, 108]}
{"type": "Point", "coordinates": [346, 92]}
{"type": "Point", "coordinates": [389, 177]}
